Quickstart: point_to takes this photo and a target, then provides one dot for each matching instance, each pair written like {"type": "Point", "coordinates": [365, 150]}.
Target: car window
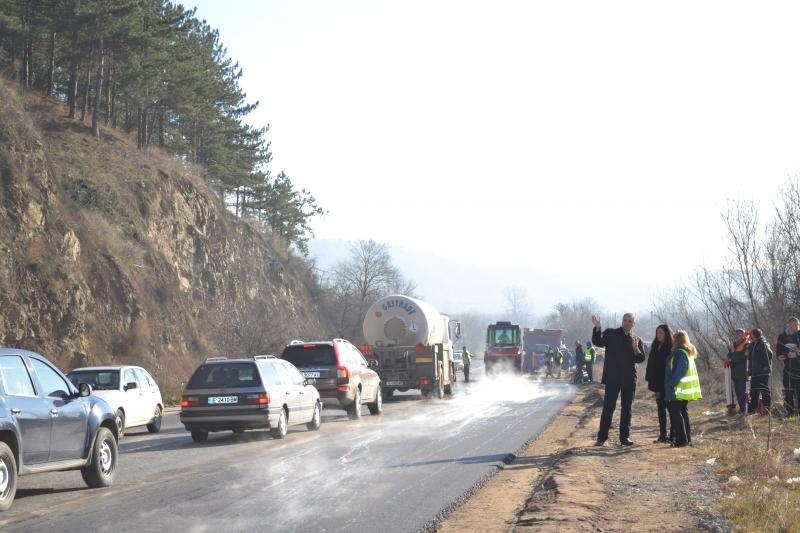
{"type": "Point", "coordinates": [98, 379]}
{"type": "Point", "coordinates": [129, 377]}
{"type": "Point", "coordinates": [218, 375]}
{"type": "Point", "coordinates": [358, 359]}
{"type": "Point", "coordinates": [53, 384]}
{"type": "Point", "coordinates": [283, 373]}
{"type": "Point", "coordinates": [143, 377]}
{"type": "Point", "coordinates": [270, 374]}
{"type": "Point", "coordinates": [295, 377]}
{"type": "Point", "coordinates": [15, 377]}
{"type": "Point", "coordinates": [306, 356]}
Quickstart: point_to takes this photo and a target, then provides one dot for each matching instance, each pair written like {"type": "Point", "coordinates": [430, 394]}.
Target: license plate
{"type": "Point", "coordinates": [424, 359]}
{"type": "Point", "coordinates": [213, 400]}
{"type": "Point", "coordinates": [394, 383]}
{"type": "Point", "coordinates": [310, 374]}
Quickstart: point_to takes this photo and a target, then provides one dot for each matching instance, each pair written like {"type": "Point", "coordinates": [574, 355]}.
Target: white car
{"type": "Point", "coordinates": [458, 359]}
{"type": "Point", "coordinates": [130, 390]}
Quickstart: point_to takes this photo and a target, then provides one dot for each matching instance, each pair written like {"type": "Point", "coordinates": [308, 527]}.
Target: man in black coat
{"type": "Point", "coordinates": [623, 351]}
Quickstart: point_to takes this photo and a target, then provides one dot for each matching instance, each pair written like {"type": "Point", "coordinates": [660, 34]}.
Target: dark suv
{"type": "Point", "coordinates": [46, 424]}
{"type": "Point", "coordinates": [340, 373]}
{"type": "Point", "coordinates": [261, 392]}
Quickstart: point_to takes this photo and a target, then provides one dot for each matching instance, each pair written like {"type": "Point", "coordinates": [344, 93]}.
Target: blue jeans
{"type": "Point", "coordinates": [610, 404]}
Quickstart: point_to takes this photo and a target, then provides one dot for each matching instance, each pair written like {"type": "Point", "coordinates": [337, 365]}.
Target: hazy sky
{"type": "Point", "coordinates": [592, 140]}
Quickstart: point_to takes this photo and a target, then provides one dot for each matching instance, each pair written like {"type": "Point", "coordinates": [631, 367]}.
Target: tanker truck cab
{"type": "Point", "coordinates": [409, 343]}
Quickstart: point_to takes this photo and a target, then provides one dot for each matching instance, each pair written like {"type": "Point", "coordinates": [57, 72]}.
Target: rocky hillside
{"type": "Point", "coordinates": [112, 255]}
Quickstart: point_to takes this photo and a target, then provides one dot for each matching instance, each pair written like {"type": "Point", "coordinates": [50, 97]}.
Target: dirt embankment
{"type": "Point", "coordinates": [561, 482]}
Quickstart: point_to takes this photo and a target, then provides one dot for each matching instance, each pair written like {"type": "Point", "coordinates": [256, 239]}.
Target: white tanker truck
{"type": "Point", "coordinates": [410, 344]}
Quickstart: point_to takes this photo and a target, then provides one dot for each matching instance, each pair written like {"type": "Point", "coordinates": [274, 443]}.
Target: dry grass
{"type": "Point", "coordinates": [756, 461]}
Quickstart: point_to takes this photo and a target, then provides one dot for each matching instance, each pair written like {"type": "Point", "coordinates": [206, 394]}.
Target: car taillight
{"type": "Point", "coordinates": [257, 399]}
{"type": "Point", "coordinates": [190, 401]}
{"type": "Point", "coordinates": [420, 348]}
{"type": "Point", "coordinates": [424, 381]}
{"type": "Point", "coordinates": [342, 372]}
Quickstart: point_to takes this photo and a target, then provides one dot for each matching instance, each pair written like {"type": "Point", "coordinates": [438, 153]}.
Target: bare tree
{"type": "Point", "coordinates": [518, 308]}
{"type": "Point", "coordinates": [358, 282]}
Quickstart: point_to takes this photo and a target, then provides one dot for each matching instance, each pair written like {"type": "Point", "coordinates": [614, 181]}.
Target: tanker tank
{"type": "Point", "coordinates": [398, 320]}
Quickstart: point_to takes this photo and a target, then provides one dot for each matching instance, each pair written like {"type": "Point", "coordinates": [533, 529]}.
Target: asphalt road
{"type": "Point", "coordinates": [400, 471]}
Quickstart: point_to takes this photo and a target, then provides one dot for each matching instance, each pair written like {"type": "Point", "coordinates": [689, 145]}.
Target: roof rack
{"type": "Point", "coordinates": [267, 356]}
{"type": "Point", "coordinates": [295, 341]}
{"type": "Point", "coordinates": [216, 358]}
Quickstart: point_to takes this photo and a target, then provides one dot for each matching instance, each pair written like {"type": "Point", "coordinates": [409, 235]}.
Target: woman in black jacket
{"type": "Point", "coordinates": [654, 374]}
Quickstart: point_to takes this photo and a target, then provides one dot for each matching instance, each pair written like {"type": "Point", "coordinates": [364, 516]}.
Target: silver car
{"type": "Point", "coordinates": [261, 392]}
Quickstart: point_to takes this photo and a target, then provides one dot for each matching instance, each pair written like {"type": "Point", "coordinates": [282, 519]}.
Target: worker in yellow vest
{"type": "Point", "coordinates": [589, 355]}
{"type": "Point", "coordinates": [681, 386]}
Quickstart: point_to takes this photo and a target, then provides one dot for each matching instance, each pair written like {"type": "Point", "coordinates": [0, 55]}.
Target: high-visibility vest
{"type": "Point", "coordinates": [689, 386]}
{"type": "Point", "coordinates": [588, 355]}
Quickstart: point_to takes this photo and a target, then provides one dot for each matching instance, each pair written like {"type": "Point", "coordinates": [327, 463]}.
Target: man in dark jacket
{"type": "Point", "coordinates": [786, 350]}
{"type": "Point", "coordinates": [760, 370]}
{"type": "Point", "coordinates": [623, 351]}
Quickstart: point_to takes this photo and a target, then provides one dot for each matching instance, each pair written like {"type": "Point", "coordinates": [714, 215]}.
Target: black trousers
{"type": "Point", "coordinates": [679, 419]}
{"type": "Point", "coordinates": [759, 386]}
{"type": "Point", "coordinates": [661, 406]}
{"type": "Point", "coordinates": [791, 394]}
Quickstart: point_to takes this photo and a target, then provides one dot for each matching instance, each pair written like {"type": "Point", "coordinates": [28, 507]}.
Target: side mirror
{"type": "Point", "coordinates": [131, 385]}
{"type": "Point", "coordinates": [84, 389]}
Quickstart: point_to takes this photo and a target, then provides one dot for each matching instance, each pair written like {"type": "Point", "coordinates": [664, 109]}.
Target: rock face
{"type": "Point", "coordinates": [111, 255]}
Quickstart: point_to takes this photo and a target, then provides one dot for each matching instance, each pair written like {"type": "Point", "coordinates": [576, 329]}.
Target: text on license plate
{"type": "Point", "coordinates": [310, 374]}
{"type": "Point", "coordinates": [213, 400]}
{"type": "Point", "coordinates": [394, 382]}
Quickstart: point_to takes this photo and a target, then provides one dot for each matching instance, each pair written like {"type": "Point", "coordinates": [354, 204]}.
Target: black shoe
{"type": "Point", "coordinates": [599, 442]}
{"type": "Point", "coordinates": [626, 442]}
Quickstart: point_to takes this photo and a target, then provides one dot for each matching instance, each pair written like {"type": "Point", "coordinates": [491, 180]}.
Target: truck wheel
{"type": "Point", "coordinates": [448, 389]}
{"type": "Point", "coordinates": [8, 477]}
{"type": "Point", "coordinates": [388, 394]}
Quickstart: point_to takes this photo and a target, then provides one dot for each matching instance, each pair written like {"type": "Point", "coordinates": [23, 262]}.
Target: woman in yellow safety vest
{"type": "Point", "coordinates": [681, 385]}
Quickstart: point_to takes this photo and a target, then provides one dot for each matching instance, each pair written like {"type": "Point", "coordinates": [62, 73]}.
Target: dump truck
{"type": "Point", "coordinates": [410, 344]}
{"type": "Point", "coordinates": [503, 347]}
{"type": "Point", "coordinates": [537, 342]}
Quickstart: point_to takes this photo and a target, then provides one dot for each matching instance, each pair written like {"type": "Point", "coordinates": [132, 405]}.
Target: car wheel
{"type": "Point", "coordinates": [280, 431]}
{"type": "Point", "coordinates": [155, 425]}
{"type": "Point", "coordinates": [102, 467]}
{"type": "Point", "coordinates": [199, 436]}
{"type": "Point", "coordinates": [8, 477]}
{"type": "Point", "coordinates": [376, 407]}
{"type": "Point", "coordinates": [120, 423]}
{"type": "Point", "coordinates": [355, 409]}
{"type": "Point", "coordinates": [316, 418]}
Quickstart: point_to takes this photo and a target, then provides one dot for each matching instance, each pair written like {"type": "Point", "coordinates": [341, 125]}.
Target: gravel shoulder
{"type": "Point", "coordinates": [561, 482]}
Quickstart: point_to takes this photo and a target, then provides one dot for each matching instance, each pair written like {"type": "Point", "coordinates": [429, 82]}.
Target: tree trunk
{"type": "Point", "coordinates": [51, 65]}
{"type": "Point", "coordinates": [72, 91]}
{"type": "Point", "coordinates": [98, 90]}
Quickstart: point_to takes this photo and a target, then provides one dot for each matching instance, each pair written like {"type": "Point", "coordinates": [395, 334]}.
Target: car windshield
{"type": "Point", "coordinates": [217, 375]}
{"type": "Point", "coordinates": [98, 379]}
{"type": "Point", "coordinates": [458, 355]}
{"type": "Point", "coordinates": [308, 355]}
